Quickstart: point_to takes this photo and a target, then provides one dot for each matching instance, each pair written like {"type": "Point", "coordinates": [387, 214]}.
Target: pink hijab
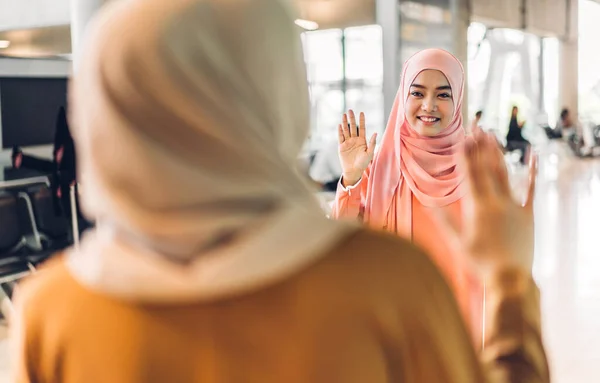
{"type": "Point", "coordinates": [422, 166]}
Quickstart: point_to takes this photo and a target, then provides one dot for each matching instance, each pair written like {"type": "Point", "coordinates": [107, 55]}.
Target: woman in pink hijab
{"type": "Point", "coordinates": [415, 174]}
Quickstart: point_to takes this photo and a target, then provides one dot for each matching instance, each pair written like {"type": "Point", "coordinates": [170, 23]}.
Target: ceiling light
{"type": "Point", "coordinates": [307, 24]}
{"type": "Point", "coordinates": [4, 44]}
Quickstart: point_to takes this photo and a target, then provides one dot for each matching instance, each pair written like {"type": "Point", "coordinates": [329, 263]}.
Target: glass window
{"type": "Point", "coordinates": [550, 63]}
{"type": "Point", "coordinates": [345, 70]}
{"type": "Point", "coordinates": [503, 70]}
{"type": "Point", "coordinates": [364, 54]}
{"type": "Point", "coordinates": [323, 55]}
{"type": "Point", "coordinates": [589, 61]}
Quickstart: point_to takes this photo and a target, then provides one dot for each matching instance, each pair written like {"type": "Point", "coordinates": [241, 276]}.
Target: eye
{"type": "Point", "coordinates": [445, 95]}
{"type": "Point", "coordinates": [416, 94]}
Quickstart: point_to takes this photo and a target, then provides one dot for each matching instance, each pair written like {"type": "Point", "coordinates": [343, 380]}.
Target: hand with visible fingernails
{"type": "Point", "coordinates": [355, 154]}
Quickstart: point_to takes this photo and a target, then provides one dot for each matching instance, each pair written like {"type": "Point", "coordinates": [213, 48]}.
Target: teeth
{"type": "Point", "coordinates": [428, 119]}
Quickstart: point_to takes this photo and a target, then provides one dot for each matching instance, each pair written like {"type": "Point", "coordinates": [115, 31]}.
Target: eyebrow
{"type": "Point", "coordinates": [443, 87]}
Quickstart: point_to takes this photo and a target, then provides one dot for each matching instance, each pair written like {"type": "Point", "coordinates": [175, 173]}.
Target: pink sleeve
{"type": "Point", "coordinates": [350, 202]}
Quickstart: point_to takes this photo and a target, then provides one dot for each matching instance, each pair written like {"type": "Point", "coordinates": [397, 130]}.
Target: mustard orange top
{"type": "Point", "coordinates": [373, 309]}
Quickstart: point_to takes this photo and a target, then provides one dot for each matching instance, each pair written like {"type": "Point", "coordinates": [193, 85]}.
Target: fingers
{"type": "Point", "coordinates": [362, 126]}
{"type": "Point", "coordinates": [501, 172]}
{"type": "Point", "coordinates": [487, 165]}
{"type": "Point", "coordinates": [477, 133]}
{"type": "Point", "coordinates": [353, 128]}
{"type": "Point", "coordinates": [341, 137]}
{"type": "Point", "coordinates": [533, 164]}
{"type": "Point", "coordinates": [346, 126]}
{"type": "Point", "coordinates": [350, 128]}
{"type": "Point", "coordinates": [467, 162]}
{"type": "Point", "coordinates": [470, 159]}
{"type": "Point", "coordinates": [478, 159]}
{"type": "Point", "coordinates": [372, 144]}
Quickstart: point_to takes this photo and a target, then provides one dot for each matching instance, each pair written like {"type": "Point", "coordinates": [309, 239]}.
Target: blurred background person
{"type": "Point", "coordinates": [565, 127]}
{"type": "Point", "coordinates": [476, 123]}
{"type": "Point", "coordinates": [514, 137]}
{"type": "Point", "coordinates": [326, 168]}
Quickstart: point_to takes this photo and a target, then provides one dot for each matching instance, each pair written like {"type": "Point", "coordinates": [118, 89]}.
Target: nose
{"type": "Point", "coordinates": [429, 105]}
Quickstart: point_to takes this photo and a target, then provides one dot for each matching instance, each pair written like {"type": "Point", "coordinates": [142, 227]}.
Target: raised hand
{"type": "Point", "coordinates": [355, 154]}
{"type": "Point", "coordinates": [497, 231]}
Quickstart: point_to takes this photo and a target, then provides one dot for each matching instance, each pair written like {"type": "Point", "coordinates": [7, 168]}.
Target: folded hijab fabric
{"type": "Point", "coordinates": [416, 165]}
{"type": "Point", "coordinates": [187, 138]}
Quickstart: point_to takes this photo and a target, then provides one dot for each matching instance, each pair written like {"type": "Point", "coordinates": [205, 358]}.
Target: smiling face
{"type": "Point", "coordinates": [430, 106]}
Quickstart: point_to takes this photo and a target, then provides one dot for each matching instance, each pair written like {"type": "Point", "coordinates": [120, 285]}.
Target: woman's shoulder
{"type": "Point", "coordinates": [379, 258]}
{"type": "Point", "coordinates": [50, 271]}
{"type": "Point", "coordinates": [376, 243]}
{"type": "Point", "coordinates": [42, 288]}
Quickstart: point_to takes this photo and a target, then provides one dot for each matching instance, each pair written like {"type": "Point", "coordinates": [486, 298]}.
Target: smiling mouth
{"type": "Point", "coordinates": [428, 119]}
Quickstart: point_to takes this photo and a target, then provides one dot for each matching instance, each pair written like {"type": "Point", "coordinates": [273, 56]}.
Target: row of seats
{"type": "Point", "coordinates": [30, 231]}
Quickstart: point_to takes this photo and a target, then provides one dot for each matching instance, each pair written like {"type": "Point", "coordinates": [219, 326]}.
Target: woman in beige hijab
{"type": "Point", "coordinates": [211, 261]}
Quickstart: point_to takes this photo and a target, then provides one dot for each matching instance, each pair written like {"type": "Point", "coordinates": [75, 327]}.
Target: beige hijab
{"type": "Point", "coordinates": [188, 116]}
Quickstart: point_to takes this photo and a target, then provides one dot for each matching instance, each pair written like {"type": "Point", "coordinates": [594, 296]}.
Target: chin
{"type": "Point", "coordinates": [429, 131]}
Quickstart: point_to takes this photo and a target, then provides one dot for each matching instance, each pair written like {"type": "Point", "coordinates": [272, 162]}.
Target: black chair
{"type": "Point", "coordinates": [53, 225]}
{"type": "Point", "coordinates": [11, 239]}
{"type": "Point", "coordinates": [551, 133]}
{"type": "Point", "coordinates": [596, 133]}
{"type": "Point", "coordinates": [13, 263]}
{"type": "Point", "coordinates": [50, 229]}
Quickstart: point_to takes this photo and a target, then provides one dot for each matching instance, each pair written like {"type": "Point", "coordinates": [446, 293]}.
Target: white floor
{"type": "Point", "coordinates": [3, 356]}
{"type": "Point", "coordinates": [567, 265]}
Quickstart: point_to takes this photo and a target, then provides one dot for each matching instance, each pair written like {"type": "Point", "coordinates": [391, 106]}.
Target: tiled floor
{"type": "Point", "coordinates": [4, 361]}
{"type": "Point", "coordinates": [567, 265]}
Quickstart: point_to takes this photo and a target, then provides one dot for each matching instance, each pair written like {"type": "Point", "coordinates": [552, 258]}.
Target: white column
{"type": "Point", "coordinates": [82, 12]}
{"type": "Point", "coordinates": [568, 71]}
{"type": "Point", "coordinates": [461, 19]}
{"type": "Point", "coordinates": [389, 19]}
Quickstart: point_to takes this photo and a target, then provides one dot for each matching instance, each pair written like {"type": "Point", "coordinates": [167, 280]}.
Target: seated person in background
{"type": "Point", "coordinates": [326, 168]}
{"type": "Point", "coordinates": [212, 262]}
{"type": "Point", "coordinates": [565, 127]}
{"type": "Point", "coordinates": [514, 138]}
{"type": "Point", "coordinates": [475, 124]}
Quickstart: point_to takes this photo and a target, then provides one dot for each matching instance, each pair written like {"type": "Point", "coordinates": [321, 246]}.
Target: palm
{"type": "Point", "coordinates": [500, 224]}
{"type": "Point", "coordinates": [355, 154]}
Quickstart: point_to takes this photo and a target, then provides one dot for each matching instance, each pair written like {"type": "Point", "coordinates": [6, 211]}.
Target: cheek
{"type": "Point", "coordinates": [412, 108]}
{"type": "Point", "coordinates": [447, 110]}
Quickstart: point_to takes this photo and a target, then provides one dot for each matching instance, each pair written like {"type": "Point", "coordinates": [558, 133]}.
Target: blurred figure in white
{"type": "Point", "coordinates": [475, 124]}
{"type": "Point", "coordinates": [326, 168]}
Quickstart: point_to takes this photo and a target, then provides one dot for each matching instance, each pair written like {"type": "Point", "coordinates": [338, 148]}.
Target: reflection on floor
{"type": "Point", "coordinates": [567, 264]}
{"type": "Point", "coordinates": [4, 361]}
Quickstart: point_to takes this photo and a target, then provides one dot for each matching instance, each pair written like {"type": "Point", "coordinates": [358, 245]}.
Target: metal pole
{"type": "Point", "coordinates": [75, 221]}
{"type": "Point", "coordinates": [344, 81]}
{"type": "Point", "coordinates": [541, 98]}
